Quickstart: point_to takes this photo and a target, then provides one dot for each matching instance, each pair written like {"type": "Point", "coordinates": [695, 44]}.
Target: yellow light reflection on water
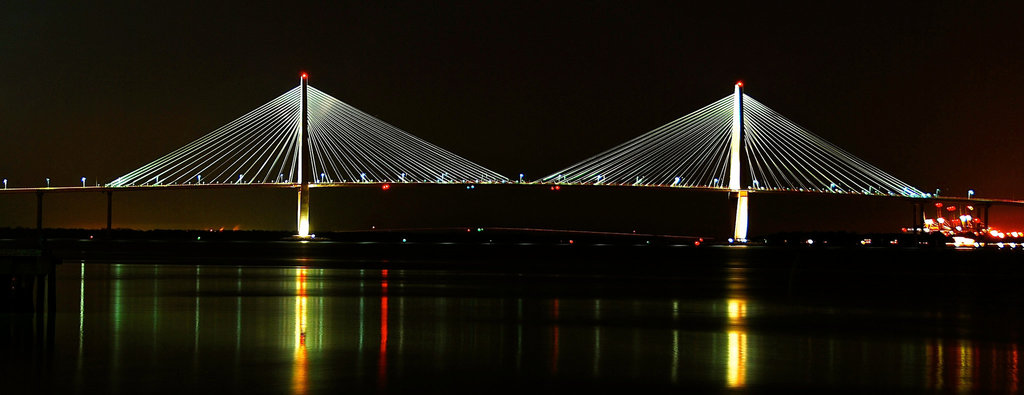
{"type": "Point", "coordinates": [300, 365]}
{"type": "Point", "coordinates": [936, 355]}
{"type": "Point", "coordinates": [737, 311]}
{"type": "Point", "coordinates": [737, 363]}
{"type": "Point", "coordinates": [737, 352]}
{"type": "Point", "coordinates": [965, 374]}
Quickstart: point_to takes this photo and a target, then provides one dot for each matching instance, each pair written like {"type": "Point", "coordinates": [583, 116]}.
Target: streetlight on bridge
{"type": "Point", "coordinates": [47, 182]}
{"type": "Point", "coordinates": [970, 193]}
{"type": "Point", "coordinates": [83, 182]}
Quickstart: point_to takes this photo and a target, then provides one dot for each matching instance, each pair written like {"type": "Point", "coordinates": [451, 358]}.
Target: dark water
{"type": "Point", "coordinates": [746, 325]}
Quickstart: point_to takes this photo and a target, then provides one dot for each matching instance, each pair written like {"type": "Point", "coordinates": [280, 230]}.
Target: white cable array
{"type": "Point", "coordinates": [349, 145]}
{"type": "Point", "coordinates": [345, 145]}
{"type": "Point", "coordinates": [258, 147]}
{"type": "Point", "coordinates": [784, 156]}
{"type": "Point", "coordinates": [693, 151]}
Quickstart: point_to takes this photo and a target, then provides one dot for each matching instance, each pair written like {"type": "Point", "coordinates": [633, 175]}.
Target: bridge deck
{"type": "Point", "coordinates": [980, 201]}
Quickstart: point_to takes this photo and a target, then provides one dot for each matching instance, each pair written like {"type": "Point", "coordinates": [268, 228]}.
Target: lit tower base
{"type": "Point", "coordinates": [303, 214]}
{"type": "Point", "coordinates": [739, 233]}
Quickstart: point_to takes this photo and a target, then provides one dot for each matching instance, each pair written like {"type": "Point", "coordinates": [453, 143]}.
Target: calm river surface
{"type": "Point", "coordinates": [164, 326]}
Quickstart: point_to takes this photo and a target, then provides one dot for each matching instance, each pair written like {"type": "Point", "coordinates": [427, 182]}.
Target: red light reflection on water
{"type": "Point", "coordinates": [1014, 370]}
{"type": "Point", "coordinates": [554, 340]}
{"type": "Point", "coordinates": [382, 377]}
{"type": "Point", "coordinates": [966, 366]}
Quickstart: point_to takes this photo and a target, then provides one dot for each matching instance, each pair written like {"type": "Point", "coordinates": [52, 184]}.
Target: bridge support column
{"type": "Point", "coordinates": [736, 180]}
{"type": "Point", "coordinates": [739, 233]}
{"type": "Point", "coordinates": [110, 211]}
{"type": "Point", "coordinates": [304, 165]}
{"type": "Point", "coordinates": [916, 220]}
{"type": "Point", "coordinates": [39, 212]}
{"type": "Point", "coordinates": [303, 225]}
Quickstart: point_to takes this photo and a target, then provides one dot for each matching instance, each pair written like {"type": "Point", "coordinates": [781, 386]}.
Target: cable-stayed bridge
{"type": "Point", "coordinates": [735, 143]}
{"type": "Point", "coordinates": [306, 137]}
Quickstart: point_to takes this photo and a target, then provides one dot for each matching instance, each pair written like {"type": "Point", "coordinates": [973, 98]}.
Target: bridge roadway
{"type": "Point", "coordinates": [917, 202]}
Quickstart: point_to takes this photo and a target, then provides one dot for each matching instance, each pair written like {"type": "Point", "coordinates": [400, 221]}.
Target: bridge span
{"type": "Point", "coordinates": [306, 139]}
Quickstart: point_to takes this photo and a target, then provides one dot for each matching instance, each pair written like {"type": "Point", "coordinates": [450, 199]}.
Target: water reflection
{"type": "Point", "coordinates": [736, 307]}
{"type": "Point", "coordinates": [300, 368]}
{"type": "Point", "coordinates": [597, 339]}
{"type": "Point", "coordinates": [1014, 369]}
{"type": "Point", "coordinates": [554, 337]}
{"type": "Point", "coordinates": [304, 330]}
{"type": "Point", "coordinates": [965, 366]}
{"type": "Point", "coordinates": [382, 367]}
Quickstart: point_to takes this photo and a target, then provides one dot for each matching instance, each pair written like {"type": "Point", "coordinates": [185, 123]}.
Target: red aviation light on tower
{"type": "Point", "coordinates": [739, 84]}
{"type": "Point", "coordinates": [305, 75]}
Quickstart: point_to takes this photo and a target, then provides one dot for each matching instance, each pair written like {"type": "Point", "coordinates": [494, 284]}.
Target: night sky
{"type": "Point", "coordinates": [927, 93]}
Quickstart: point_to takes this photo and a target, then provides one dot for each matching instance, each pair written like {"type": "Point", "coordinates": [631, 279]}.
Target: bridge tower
{"type": "Point", "coordinates": [735, 166]}
{"type": "Point", "coordinates": [304, 165]}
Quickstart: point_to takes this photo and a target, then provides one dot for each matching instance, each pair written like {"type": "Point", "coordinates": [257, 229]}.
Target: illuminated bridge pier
{"type": "Point", "coordinates": [306, 137]}
{"type": "Point", "coordinates": [737, 145]}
